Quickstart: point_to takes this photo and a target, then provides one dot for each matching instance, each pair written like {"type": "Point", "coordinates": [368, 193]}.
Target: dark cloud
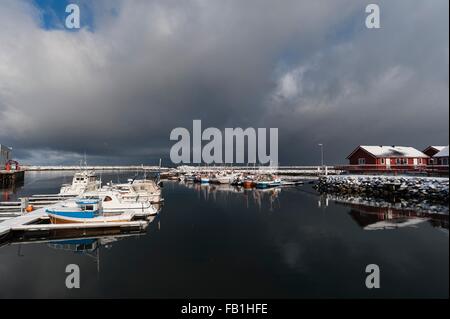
{"type": "Point", "coordinates": [310, 68]}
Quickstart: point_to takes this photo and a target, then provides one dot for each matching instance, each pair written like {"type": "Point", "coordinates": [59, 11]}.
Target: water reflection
{"type": "Point", "coordinates": [8, 193]}
{"type": "Point", "coordinates": [369, 214]}
{"type": "Point", "coordinates": [85, 242]}
{"type": "Point", "coordinates": [371, 217]}
{"type": "Point", "coordinates": [217, 192]}
{"type": "Point", "coordinates": [216, 238]}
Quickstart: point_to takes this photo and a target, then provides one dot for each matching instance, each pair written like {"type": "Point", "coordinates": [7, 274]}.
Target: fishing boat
{"type": "Point", "coordinates": [115, 202]}
{"type": "Point", "coordinates": [141, 190]}
{"type": "Point", "coordinates": [189, 177]}
{"type": "Point", "coordinates": [84, 181]}
{"type": "Point", "coordinates": [267, 180]}
{"type": "Point", "coordinates": [85, 211]}
{"type": "Point", "coordinates": [223, 178]}
{"type": "Point", "coordinates": [204, 179]}
{"type": "Point", "coordinates": [249, 181]}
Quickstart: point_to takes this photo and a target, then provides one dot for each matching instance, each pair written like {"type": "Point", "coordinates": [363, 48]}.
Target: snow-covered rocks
{"type": "Point", "coordinates": [409, 188]}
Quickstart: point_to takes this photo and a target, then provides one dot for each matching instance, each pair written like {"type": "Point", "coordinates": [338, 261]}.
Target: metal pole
{"type": "Point", "coordinates": [321, 154]}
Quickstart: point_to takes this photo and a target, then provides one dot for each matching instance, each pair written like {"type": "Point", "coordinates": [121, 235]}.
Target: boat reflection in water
{"type": "Point", "coordinates": [257, 196]}
{"type": "Point", "coordinates": [369, 214]}
{"type": "Point", "coordinates": [86, 242]}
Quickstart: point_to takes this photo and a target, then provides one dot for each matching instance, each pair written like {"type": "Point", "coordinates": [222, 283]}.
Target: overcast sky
{"type": "Point", "coordinates": [137, 69]}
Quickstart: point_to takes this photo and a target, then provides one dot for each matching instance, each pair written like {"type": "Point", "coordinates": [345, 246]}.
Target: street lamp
{"type": "Point", "coordinates": [321, 153]}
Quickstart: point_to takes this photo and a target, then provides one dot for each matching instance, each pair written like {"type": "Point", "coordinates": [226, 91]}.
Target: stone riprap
{"type": "Point", "coordinates": [409, 188]}
{"type": "Point", "coordinates": [400, 205]}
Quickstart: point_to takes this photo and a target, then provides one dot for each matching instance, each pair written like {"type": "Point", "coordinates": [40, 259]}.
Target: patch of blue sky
{"type": "Point", "coordinates": [53, 14]}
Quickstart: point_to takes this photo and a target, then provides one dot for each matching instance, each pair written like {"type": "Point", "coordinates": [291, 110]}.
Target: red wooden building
{"type": "Point", "coordinates": [431, 151]}
{"type": "Point", "coordinates": [366, 158]}
{"type": "Point", "coordinates": [441, 158]}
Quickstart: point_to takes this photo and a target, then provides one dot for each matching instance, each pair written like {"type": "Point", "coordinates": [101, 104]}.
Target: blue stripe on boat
{"type": "Point", "coordinates": [88, 214]}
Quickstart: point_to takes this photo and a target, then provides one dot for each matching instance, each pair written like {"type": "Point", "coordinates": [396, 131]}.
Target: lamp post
{"type": "Point", "coordinates": [321, 154]}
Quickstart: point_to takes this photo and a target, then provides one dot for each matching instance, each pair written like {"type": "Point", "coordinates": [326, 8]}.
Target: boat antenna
{"type": "Point", "coordinates": [158, 175]}
{"type": "Point", "coordinates": [145, 172]}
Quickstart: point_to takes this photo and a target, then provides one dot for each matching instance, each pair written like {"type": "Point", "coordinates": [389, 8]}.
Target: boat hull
{"type": "Point", "coordinates": [267, 184]}
{"type": "Point", "coordinates": [58, 219]}
{"type": "Point", "coordinates": [248, 184]}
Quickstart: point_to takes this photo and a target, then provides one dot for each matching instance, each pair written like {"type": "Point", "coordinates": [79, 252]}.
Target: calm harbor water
{"type": "Point", "coordinates": [218, 241]}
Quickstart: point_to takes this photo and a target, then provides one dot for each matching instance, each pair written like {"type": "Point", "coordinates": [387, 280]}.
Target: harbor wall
{"type": "Point", "coordinates": [410, 188]}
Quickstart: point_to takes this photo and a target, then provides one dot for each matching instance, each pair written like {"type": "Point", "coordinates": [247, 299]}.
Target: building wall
{"type": "Point", "coordinates": [442, 161]}
{"type": "Point", "coordinates": [5, 155]}
{"type": "Point", "coordinates": [360, 153]}
{"type": "Point", "coordinates": [431, 152]}
{"type": "Point", "coordinates": [392, 161]}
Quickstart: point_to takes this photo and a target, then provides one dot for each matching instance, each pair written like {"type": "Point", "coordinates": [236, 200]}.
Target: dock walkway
{"type": "Point", "coordinates": [26, 219]}
{"type": "Point", "coordinates": [27, 222]}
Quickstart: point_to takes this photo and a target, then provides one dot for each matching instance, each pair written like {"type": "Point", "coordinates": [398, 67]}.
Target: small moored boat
{"type": "Point", "coordinates": [268, 180]}
{"type": "Point", "coordinates": [204, 179]}
{"type": "Point", "coordinates": [86, 211]}
{"type": "Point", "coordinates": [83, 181]}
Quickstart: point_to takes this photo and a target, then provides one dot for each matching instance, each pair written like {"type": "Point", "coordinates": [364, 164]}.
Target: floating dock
{"type": "Point", "coordinates": [37, 221]}
{"type": "Point", "coordinates": [25, 219]}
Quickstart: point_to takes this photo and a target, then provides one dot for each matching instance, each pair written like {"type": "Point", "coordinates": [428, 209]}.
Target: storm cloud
{"type": "Point", "coordinates": [117, 87]}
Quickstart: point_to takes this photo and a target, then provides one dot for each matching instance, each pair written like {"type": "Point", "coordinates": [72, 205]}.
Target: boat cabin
{"type": "Point", "coordinates": [84, 178]}
{"type": "Point", "coordinates": [93, 205]}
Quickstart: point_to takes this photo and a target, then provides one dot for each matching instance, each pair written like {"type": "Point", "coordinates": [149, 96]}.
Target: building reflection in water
{"type": "Point", "coordinates": [10, 192]}
{"type": "Point", "coordinates": [383, 216]}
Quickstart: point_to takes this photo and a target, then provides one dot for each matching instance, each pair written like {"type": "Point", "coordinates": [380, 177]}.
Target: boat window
{"type": "Point", "coordinates": [107, 199]}
{"type": "Point", "coordinates": [89, 207]}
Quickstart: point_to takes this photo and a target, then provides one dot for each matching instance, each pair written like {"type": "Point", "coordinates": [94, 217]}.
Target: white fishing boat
{"type": "Point", "coordinates": [147, 188]}
{"type": "Point", "coordinates": [223, 178]}
{"type": "Point", "coordinates": [83, 181]}
{"type": "Point", "coordinates": [267, 180]}
{"type": "Point", "coordinates": [204, 179]}
{"type": "Point", "coordinates": [84, 211]}
{"type": "Point", "coordinates": [189, 177]}
{"type": "Point", "coordinates": [138, 190]}
{"type": "Point", "coordinates": [115, 202]}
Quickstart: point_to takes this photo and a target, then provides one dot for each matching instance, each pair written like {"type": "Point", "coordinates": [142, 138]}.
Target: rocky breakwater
{"type": "Point", "coordinates": [411, 189]}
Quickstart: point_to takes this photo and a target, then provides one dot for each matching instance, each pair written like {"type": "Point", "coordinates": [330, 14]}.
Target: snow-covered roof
{"type": "Point", "coordinates": [391, 151]}
{"type": "Point", "coordinates": [442, 153]}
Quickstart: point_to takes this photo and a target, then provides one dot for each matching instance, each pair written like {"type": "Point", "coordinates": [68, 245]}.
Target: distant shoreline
{"type": "Point", "coordinates": [42, 168]}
